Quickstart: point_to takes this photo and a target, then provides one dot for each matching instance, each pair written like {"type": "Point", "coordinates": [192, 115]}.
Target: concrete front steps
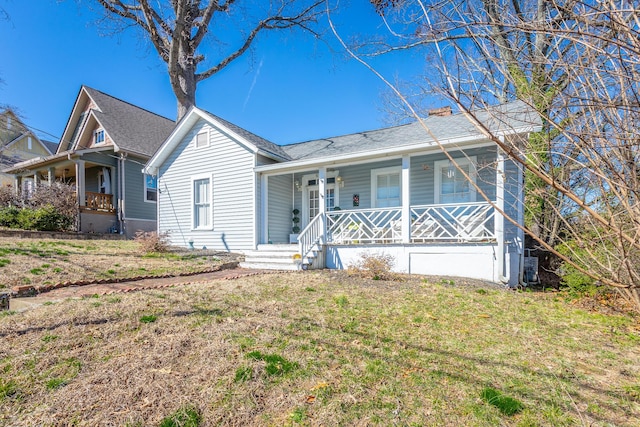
{"type": "Point", "coordinates": [272, 257]}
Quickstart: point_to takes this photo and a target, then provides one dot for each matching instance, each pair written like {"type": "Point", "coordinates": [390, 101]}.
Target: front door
{"type": "Point", "coordinates": [311, 202]}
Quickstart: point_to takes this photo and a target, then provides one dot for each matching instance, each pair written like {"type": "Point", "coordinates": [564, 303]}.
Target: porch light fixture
{"type": "Point", "coordinates": [340, 181]}
{"type": "Point", "coordinates": [297, 184]}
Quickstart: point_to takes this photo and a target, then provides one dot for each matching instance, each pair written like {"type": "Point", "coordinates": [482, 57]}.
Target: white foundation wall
{"type": "Point", "coordinates": [468, 260]}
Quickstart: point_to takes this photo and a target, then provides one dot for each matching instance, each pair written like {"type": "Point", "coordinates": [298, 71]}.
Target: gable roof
{"type": "Point", "coordinates": [507, 118]}
{"type": "Point", "coordinates": [261, 143]}
{"type": "Point", "coordinates": [250, 140]}
{"type": "Point", "coordinates": [16, 131]}
{"type": "Point", "coordinates": [131, 128]}
{"type": "Point", "coordinates": [50, 145]}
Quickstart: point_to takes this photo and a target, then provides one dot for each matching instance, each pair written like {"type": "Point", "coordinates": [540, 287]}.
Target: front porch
{"type": "Point", "coordinates": [432, 213]}
{"type": "Point", "coordinates": [94, 179]}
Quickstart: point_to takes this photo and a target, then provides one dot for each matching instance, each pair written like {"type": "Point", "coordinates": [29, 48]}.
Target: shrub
{"type": "Point", "coordinates": [150, 241]}
{"type": "Point", "coordinates": [61, 196]}
{"type": "Point", "coordinates": [9, 217]}
{"type": "Point", "coordinates": [373, 266]}
{"type": "Point", "coordinates": [45, 218]}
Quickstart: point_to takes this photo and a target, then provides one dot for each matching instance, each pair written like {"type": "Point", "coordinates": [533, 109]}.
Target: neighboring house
{"type": "Point", "coordinates": [105, 144]}
{"type": "Point", "coordinates": [18, 143]}
{"type": "Point", "coordinates": [389, 191]}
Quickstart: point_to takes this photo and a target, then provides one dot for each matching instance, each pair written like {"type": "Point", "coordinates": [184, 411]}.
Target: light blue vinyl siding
{"type": "Point", "coordinates": [280, 206]}
{"type": "Point", "coordinates": [135, 206]}
{"type": "Point", "coordinates": [231, 166]}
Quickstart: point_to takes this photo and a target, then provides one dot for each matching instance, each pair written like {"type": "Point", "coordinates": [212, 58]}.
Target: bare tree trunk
{"type": "Point", "coordinates": [177, 28]}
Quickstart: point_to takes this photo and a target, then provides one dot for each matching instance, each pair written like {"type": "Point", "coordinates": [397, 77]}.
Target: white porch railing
{"type": "Point", "coordinates": [364, 226]}
{"type": "Point", "coordinates": [468, 222]}
{"type": "Point", "coordinates": [311, 238]}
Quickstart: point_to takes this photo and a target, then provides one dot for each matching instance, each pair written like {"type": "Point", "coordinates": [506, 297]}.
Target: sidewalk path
{"type": "Point", "coordinates": [23, 303]}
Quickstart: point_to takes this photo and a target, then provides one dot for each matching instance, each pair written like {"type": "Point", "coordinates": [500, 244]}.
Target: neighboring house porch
{"type": "Point", "coordinates": [94, 173]}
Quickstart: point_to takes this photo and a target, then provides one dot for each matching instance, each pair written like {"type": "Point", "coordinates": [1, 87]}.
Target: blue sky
{"type": "Point", "coordinates": [290, 89]}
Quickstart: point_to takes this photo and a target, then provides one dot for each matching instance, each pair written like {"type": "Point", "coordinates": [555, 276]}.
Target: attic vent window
{"type": "Point", "coordinates": [99, 136]}
{"type": "Point", "coordinates": [202, 140]}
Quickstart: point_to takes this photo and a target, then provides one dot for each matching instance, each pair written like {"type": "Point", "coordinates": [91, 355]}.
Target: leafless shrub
{"type": "Point", "coordinates": [8, 197]}
{"type": "Point", "coordinates": [373, 266]}
{"type": "Point", "coordinates": [61, 196]}
{"type": "Point", "coordinates": [151, 242]}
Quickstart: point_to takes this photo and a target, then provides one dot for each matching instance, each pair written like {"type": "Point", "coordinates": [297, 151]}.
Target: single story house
{"type": "Point", "coordinates": [434, 206]}
{"type": "Point", "coordinates": [105, 144]}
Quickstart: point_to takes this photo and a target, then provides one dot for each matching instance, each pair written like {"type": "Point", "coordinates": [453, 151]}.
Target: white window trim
{"type": "Point", "coordinates": [305, 193]}
{"type": "Point", "coordinates": [194, 178]}
{"type": "Point", "coordinates": [195, 139]}
{"type": "Point", "coordinates": [144, 177]}
{"type": "Point", "coordinates": [95, 136]}
{"type": "Point", "coordinates": [374, 182]}
{"type": "Point", "coordinates": [462, 161]}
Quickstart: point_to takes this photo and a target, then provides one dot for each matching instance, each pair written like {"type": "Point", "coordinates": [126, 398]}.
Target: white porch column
{"type": "Point", "coordinates": [17, 182]}
{"type": "Point", "coordinates": [322, 195]}
{"type": "Point", "coordinates": [51, 175]}
{"type": "Point", "coordinates": [80, 183]}
{"type": "Point", "coordinates": [499, 219]}
{"type": "Point", "coordinates": [406, 199]}
{"type": "Point", "coordinates": [264, 209]}
{"type": "Point", "coordinates": [36, 180]}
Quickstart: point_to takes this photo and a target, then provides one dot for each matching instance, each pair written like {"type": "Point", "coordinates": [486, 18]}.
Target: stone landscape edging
{"type": "Point", "coordinates": [28, 290]}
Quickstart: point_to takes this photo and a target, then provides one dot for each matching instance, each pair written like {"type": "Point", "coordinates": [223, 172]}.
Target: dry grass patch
{"type": "Point", "coordinates": [46, 261]}
{"type": "Point", "coordinates": [319, 349]}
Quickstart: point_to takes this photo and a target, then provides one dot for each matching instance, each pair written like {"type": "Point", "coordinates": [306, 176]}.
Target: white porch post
{"type": "Point", "coordinates": [51, 175]}
{"type": "Point", "coordinates": [499, 219]}
{"type": "Point", "coordinates": [18, 185]}
{"type": "Point", "coordinates": [80, 182]}
{"type": "Point", "coordinates": [322, 195]}
{"type": "Point", "coordinates": [264, 208]}
{"type": "Point", "coordinates": [406, 199]}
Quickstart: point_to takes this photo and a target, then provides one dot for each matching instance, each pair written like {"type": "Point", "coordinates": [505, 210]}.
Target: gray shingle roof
{"type": "Point", "coordinates": [505, 117]}
{"type": "Point", "coordinates": [258, 141]}
{"type": "Point", "coordinates": [51, 146]}
{"type": "Point", "coordinates": [132, 128]}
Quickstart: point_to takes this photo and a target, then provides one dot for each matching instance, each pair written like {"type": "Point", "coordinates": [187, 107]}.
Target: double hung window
{"type": "Point", "coordinates": [201, 203]}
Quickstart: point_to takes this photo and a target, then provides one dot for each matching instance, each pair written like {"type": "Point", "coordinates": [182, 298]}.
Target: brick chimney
{"type": "Point", "coordinates": [441, 112]}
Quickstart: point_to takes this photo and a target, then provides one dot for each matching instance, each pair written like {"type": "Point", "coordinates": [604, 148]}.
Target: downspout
{"type": "Point", "coordinates": [121, 193]}
{"type": "Point", "coordinates": [521, 222]}
{"type": "Point", "coordinates": [499, 218]}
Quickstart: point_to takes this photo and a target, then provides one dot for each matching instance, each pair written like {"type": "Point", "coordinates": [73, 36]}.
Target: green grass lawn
{"type": "Point", "coordinates": [319, 348]}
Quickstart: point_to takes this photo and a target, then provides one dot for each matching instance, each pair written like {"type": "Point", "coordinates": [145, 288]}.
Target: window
{"type": "Point", "coordinates": [202, 212]}
{"type": "Point", "coordinates": [385, 187]}
{"type": "Point", "coordinates": [29, 143]}
{"type": "Point", "coordinates": [150, 188]}
{"type": "Point", "coordinates": [202, 139]}
{"type": "Point", "coordinates": [98, 137]}
{"type": "Point", "coordinates": [450, 185]}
